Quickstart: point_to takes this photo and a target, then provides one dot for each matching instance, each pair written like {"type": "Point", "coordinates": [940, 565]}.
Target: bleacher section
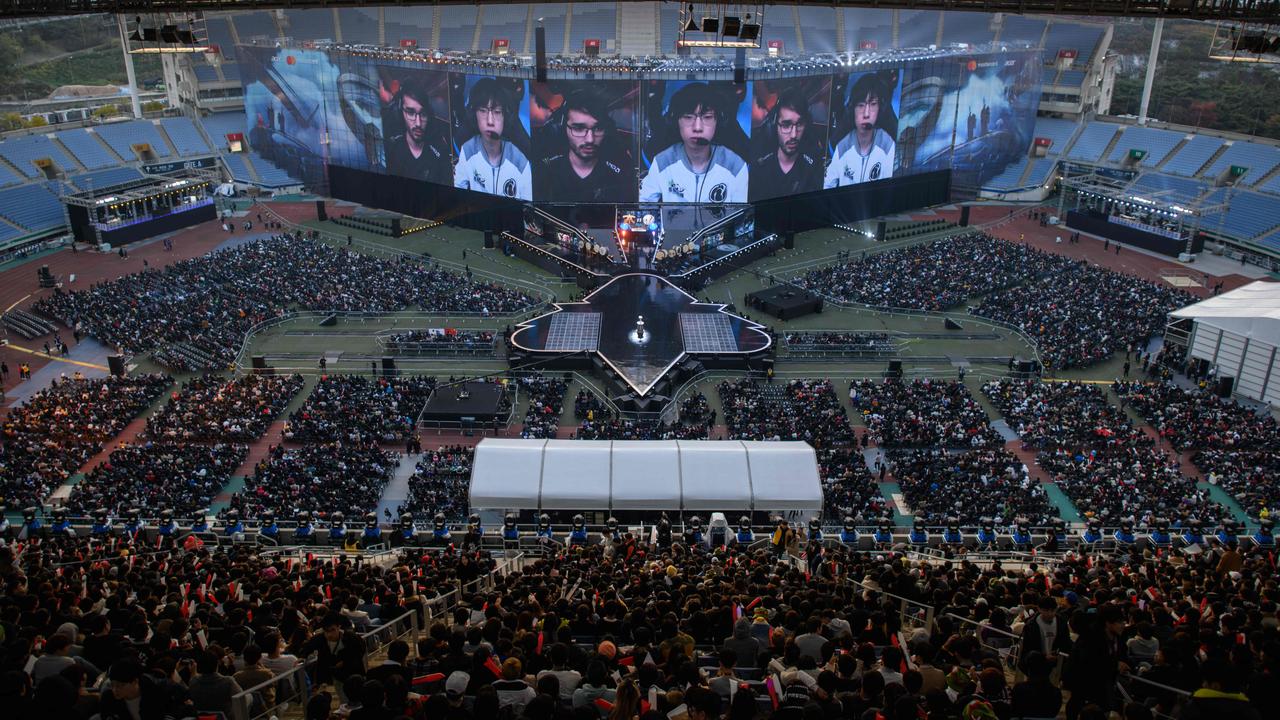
{"type": "Point", "coordinates": [269, 174]}
{"type": "Point", "coordinates": [252, 25]}
{"type": "Point", "coordinates": [669, 17]}
{"type": "Point", "coordinates": [205, 73]}
{"type": "Point", "coordinates": [236, 165]}
{"type": "Point", "coordinates": [1259, 159]}
{"type": "Point", "coordinates": [553, 15]}
{"type": "Point", "coordinates": [1156, 142]}
{"type": "Point", "coordinates": [99, 179]}
{"type": "Point", "coordinates": [231, 71]}
{"type": "Point", "coordinates": [1071, 78]}
{"type": "Point", "coordinates": [1248, 215]}
{"type": "Point", "coordinates": [220, 35]}
{"type": "Point", "coordinates": [965, 27]}
{"type": "Point", "coordinates": [1057, 130]}
{"type": "Point", "coordinates": [1092, 142]}
{"type": "Point", "coordinates": [87, 148]}
{"type": "Point", "coordinates": [917, 28]}
{"type": "Point", "coordinates": [218, 125]}
{"type": "Point", "coordinates": [316, 24]}
{"type": "Point", "coordinates": [592, 20]}
{"type": "Point", "coordinates": [412, 23]}
{"type": "Point", "coordinates": [22, 152]}
{"type": "Point", "coordinates": [1072, 36]}
{"type": "Point", "coordinates": [506, 21]}
{"type": "Point", "coordinates": [1022, 28]}
{"type": "Point", "coordinates": [818, 25]}
{"type": "Point", "coordinates": [1171, 187]}
{"type": "Point", "coordinates": [1193, 155]}
{"type": "Point", "coordinates": [33, 207]}
{"type": "Point", "coordinates": [7, 177]}
{"type": "Point", "coordinates": [866, 24]}
{"type": "Point", "coordinates": [1271, 186]}
{"type": "Point", "coordinates": [186, 139]}
{"type": "Point", "coordinates": [1010, 179]}
{"type": "Point", "coordinates": [123, 136]}
{"type": "Point", "coordinates": [359, 25]}
{"type": "Point", "coordinates": [457, 26]}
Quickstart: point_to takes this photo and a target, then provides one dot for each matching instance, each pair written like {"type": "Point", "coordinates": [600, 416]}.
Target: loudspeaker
{"type": "Point", "coordinates": [1223, 388]}
{"type": "Point", "coordinates": [740, 66]}
{"type": "Point", "coordinates": [540, 54]}
{"type": "Point", "coordinates": [789, 240]}
{"type": "Point", "coordinates": [259, 362]}
{"type": "Point", "coordinates": [321, 215]}
{"type": "Point", "coordinates": [329, 320]}
{"type": "Point", "coordinates": [964, 216]}
{"type": "Point", "coordinates": [952, 324]}
{"type": "Point", "coordinates": [395, 227]}
{"type": "Point", "coordinates": [115, 363]}
{"type": "Point", "coordinates": [1026, 367]}
{"type": "Point", "coordinates": [488, 240]}
{"type": "Point", "coordinates": [880, 230]}
{"type": "Point", "coordinates": [895, 369]}
{"type": "Point", "coordinates": [388, 366]}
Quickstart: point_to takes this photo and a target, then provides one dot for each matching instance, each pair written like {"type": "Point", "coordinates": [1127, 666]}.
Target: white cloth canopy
{"type": "Point", "coordinates": [1252, 310]}
{"type": "Point", "coordinates": [677, 475]}
{"type": "Point", "coordinates": [1239, 334]}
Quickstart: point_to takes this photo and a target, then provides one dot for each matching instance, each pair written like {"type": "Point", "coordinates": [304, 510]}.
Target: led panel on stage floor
{"type": "Point", "coordinates": [572, 332]}
{"type": "Point", "coordinates": [707, 333]}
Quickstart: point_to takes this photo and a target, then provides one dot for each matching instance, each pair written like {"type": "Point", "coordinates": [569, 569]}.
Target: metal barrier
{"type": "Point", "coordinates": [1125, 684]}
{"type": "Point", "coordinates": [1003, 643]}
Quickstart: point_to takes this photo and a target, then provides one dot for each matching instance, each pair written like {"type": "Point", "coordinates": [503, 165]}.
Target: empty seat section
{"type": "Point", "coordinates": [205, 73]}
{"type": "Point", "coordinates": [231, 71]}
{"type": "Point", "coordinates": [553, 19]}
{"type": "Point", "coordinates": [865, 25]}
{"type": "Point", "coordinates": [1071, 78]}
{"type": "Point", "coordinates": [1271, 240]}
{"type": "Point", "coordinates": [1248, 214]}
{"type": "Point", "coordinates": [505, 21]}
{"type": "Point", "coordinates": [1092, 142]}
{"type": "Point", "coordinates": [22, 152]}
{"type": "Point", "coordinates": [237, 167]}
{"type": "Point", "coordinates": [270, 174]}
{"type": "Point", "coordinates": [780, 24]}
{"type": "Point", "coordinates": [8, 232]}
{"type": "Point", "coordinates": [1171, 187]}
{"type": "Point", "coordinates": [917, 28]}
{"type": "Point", "coordinates": [414, 23]}
{"type": "Point", "coordinates": [313, 24]}
{"type": "Point", "coordinates": [123, 136]}
{"type": "Point", "coordinates": [1071, 36]}
{"type": "Point", "coordinates": [1259, 159]}
{"type": "Point", "coordinates": [359, 25]}
{"type": "Point", "coordinates": [33, 207]}
{"type": "Point", "coordinates": [593, 20]}
{"type": "Point", "coordinates": [818, 27]}
{"type": "Point", "coordinates": [255, 24]}
{"type": "Point", "coordinates": [669, 21]}
{"type": "Point", "coordinates": [220, 34]}
{"type": "Point", "coordinates": [185, 137]}
{"type": "Point", "coordinates": [457, 27]}
{"type": "Point", "coordinates": [1018, 28]}
{"type": "Point", "coordinates": [1057, 130]}
{"type": "Point", "coordinates": [219, 125]}
{"type": "Point", "coordinates": [7, 177]}
{"type": "Point", "coordinates": [971, 28]}
{"type": "Point", "coordinates": [1271, 186]}
{"type": "Point", "coordinates": [1041, 168]}
{"type": "Point", "coordinates": [101, 179]}
{"type": "Point", "coordinates": [1009, 178]}
{"type": "Point", "coordinates": [1155, 141]}
{"type": "Point", "coordinates": [87, 148]}
{"type": "Point", "coordinates": [1193, 155]}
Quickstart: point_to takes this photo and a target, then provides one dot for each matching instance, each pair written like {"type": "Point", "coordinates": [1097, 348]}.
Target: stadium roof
{"type": "Point", "coordinates": [1253, 10]}
{"type": "Point", "coordinates": [675, 475]}
{"type": "Point", "coordinates": [1252, 311]}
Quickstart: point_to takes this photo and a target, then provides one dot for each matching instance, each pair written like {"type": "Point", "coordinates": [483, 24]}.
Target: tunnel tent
{"type": "Point", "coordinates": [674, 475]}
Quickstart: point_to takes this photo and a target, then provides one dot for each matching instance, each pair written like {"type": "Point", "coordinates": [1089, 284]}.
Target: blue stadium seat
{"type": "Point", "coordinates": [1072, 36]}
{"type": "Point", "coordinates": [510, 22]}
{"type": "Point", "coordinates": [99, 179]}
{"type": "Point", "coordinates": [22, 152]}
{"type": "Point", "coordinates": [122, 136]}
{"type": "Point", "coordinates": [205, 73]}
{"type": "Point", "coordinates": [1009, 179]}
{"type": "Point", "coordinates": [1171, 187]}
{"type": "Point", "coordinates": [359, 25]}
{"type": "Point", "coordinates": [9, 232]}
{"type": "Point", "coordinates": [1022, 28]}
{"type": "Point", "coordinates": [1259, 159]}
{"type": "Point", "coordinates": [186, 138]}
{"type": "Point", "coordinates": [313, 24]}
{"type": "Point", "coordinates": [219, 125]}
{"type": "Point", "coordinates": [592, 20]}
{"type": "Point", "coordinates": [237, 167]}
{"type": "Point", "coordinates": [865, 24]}
{"type": "Point", "coordinates": [818, 28]}
{"type": "Point", "coordinates": [1271, 240]}
{"type": "Point", "coordinates": [1248, 214]}
{"type": "Point", "coordinates": [271, 175]}
{"type": "Point", "coordinates": [553, 16]}
{"type": "Point", "coordinates": [231, 71]}
{"type": "Point", "coordinates": [411, 23]}
{"type": "Point", "coordinates": [1092, 142]}
{"type": "Point", "coordinates": [1072, 78]}
{"type": "Point", "coordinates": [457, 27]}
{"type": "Point", "coordinates": [1271, 186]}
{"type": "Point", "coordinates": [33, 207]}
{"type": "Point", "coordinates": [1040, 170]}
{"type": "Point", "coordinates": [87, 148]}
{"type": "Point", "coordinates": [972, 28]}
{"type": "Point", "coordinates": [255, 24]}
{"type": "Point", "coordinates": [7, 177]}
{"type": "Point", "coordinates": [220, 35]}
{"type": "Point", "coordinates": [1193, 155]}
{"type": "Point", "coordinates": [1057, 130]}
{"type": "Point", "coordinates": [1155, 141]}
{"type": "Point", "coordinates": [917, 28]}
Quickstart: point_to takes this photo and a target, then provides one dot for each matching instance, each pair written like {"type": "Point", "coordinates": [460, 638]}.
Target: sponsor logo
{"type": "Point", "coordinates": [477, 179]}
{"type": "Point", "coordinates": [509, 188]}
{"type": "Point", "coordinates": [718, 193]}
{"type": "Point", "coordinates": [875, 172]}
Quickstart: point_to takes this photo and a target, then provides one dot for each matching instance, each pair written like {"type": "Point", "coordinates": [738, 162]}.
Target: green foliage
{"type": "Point", "coordinates": [153, 106]}
{"type": "Point", "coordinates": [106, 111]}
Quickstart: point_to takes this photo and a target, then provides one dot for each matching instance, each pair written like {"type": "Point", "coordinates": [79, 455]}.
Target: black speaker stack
{"type": "Point", "coordinates": [740, 66]}
{"type": "Point", "coordinates": [115, 363]}
{"type": "Point", "coordinates": [389, 366]}
{"type": "Point", "coordinates": [396, 227]}
{"type": "Point", "coordinates": [964, 216]}
{"type": "Point", "coordinates": [540, 53]}
{"type": "Point", "coordinates": [1224, 386]}
{"type": "Point", "coordinates": [895, 369]}
{"type": "Point", "coordinates": [880, 231]}
{"type": "Point", "coordinates": [46, 277]}
{"type": "Point", "coordinates": [789, 240]}
{"type": "Point", "coordinates": [321, 215]}
{"type": "Point", "coordinates": [488, 240]}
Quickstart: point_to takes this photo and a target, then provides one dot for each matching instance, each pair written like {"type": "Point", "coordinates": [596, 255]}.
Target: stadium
{"type": "Point", "coordinates": [634, 360]}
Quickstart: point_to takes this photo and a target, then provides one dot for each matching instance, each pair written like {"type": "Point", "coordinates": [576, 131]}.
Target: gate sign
{"type": "Point", "coordinates": [867, 45]}
{"type": "Point", "coordinates": [408, 43]}
{"type": "Point", "coordinates": [1068, 54]}
{"type": "Point", "coordinates": [166, 168]}
{"type": "Point", "coordinates": [1043, 142]}
{"type": "Point", "coordinates": [775, 45]}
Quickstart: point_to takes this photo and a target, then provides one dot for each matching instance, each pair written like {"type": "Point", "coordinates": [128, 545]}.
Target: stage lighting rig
{"type": "Point", "coordinates": [722, 25]}
{"type": "Point", "coordinates": [1245, 42]}
{"type": "Point", "coordinates": [166, 33]}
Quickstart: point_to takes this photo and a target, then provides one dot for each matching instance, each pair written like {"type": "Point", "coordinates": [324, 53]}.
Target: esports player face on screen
{"type": "Point", "coordinates": [487, 162]}
{"type": "Point", "coordinates": [582, 173]}
{"type": "Point", "coordinates": [696, 169]}
{"type": "Point", "coordinates": [786, 170]}
{"type": "Point", "coordinates": [867, 152]}
{"type": "Point", "coordinates": [422, 152]}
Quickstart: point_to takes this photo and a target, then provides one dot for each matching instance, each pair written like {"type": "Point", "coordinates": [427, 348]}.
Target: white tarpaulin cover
{"type": "Point", "coordinates": [701, 475]}
{"type": "Point", "coordinates": [1252, 310]}
{"type": "Point", "coordinates": [1239, 334]}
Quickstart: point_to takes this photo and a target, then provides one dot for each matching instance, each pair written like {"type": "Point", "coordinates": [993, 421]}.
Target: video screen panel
{"type": "Point", "coordinates": [415, 120]}
{"type": "Point", "coordinates": [584, 140]}
{"type": "Point", "coordinates": [864, 127]}
{"type": "Point", "coordinates": [695, 141]}
{"type": "Point", "coordinates": [789, 122]}
{"type": "Point", "coordinates": [491, 135]}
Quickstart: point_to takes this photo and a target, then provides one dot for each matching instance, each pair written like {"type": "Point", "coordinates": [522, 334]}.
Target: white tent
{"type": "Point", "coordinates": [674, 475]}
{"type": "Point", "coordinates": [1239, 332]}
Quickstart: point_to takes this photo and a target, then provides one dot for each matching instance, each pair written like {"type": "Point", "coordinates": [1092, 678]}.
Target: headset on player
{"type": "Point", "coordinates": [689, 98]}
{"type": "Point", "coordinates": [877, 84]}
{"type": "Point", "coordinates": [792, 98]}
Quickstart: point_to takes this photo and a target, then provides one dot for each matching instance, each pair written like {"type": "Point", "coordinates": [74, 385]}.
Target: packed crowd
{"type": "Point", "coordinates": [153, 477]}
{"type": "Point", "coordinates": [969, 486]}
{"type": "Point", "coordinates": [932, 276]}
{"type": "Point", "coordinates": [1062, 414]}
{"type": "Point", "coordinates": [922, 413]}
{"type": "Point", "coordinates": [213, 408]}
{"type": "Point", "coordinates": [546, 402]}
{"type": "Point", "coordinates": [598, 423]}
{"type": "Point", "coordinates": [839, 341]}
{"type": "Point", "coordinates": [630, 630]}
{"type": "Point", "coordinates": [48, 438]}
{"type": "Point", "coordinates": [212, 301]}
{"type": "Point", "coordinates": [440, 483]}
{"type": "Point", "coordinates": [807, 410]}
{"type": "Point", "coordinates": [440, 339]}
{"type": "Point", "coordinates": [1080, 314]}
{"type": "Point", "coordinates": [353, 408]}
{"type": "Point", "coordinates": [321, 478]}
{"type": "Point", "coordinates": [1234, 445]}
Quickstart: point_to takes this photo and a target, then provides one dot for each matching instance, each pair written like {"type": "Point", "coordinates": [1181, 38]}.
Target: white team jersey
{"type": "Point", "coordinates": [512, 177]}
{"type": "Point", "coordinates": [672, 180]}
{"type": "Point", "coordinates": [850, 167]}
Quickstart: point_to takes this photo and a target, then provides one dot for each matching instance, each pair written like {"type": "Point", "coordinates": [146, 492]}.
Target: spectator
{"type": "Point", "coordinates": [210, 691]}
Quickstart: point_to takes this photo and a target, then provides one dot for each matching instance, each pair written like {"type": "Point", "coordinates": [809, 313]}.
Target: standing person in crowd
{"type": "Point", "coordinates": [1096, 660]}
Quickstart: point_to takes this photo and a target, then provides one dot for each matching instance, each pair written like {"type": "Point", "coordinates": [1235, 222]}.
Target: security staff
{"type": "Point", "coordinates": [580, 173]}
{"type": "Point", "coordinates": [696, 169]}
{"type": "Point", "coordinates": [866, 153]}
{"type": "Point", "coordinates": [487, 162]}
{"type": "Point", "coordinates": [422, 151]}
{"type": "Point", "coordinates": [786, 170]}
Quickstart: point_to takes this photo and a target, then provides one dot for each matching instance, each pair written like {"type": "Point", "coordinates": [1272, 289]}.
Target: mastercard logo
{"type": "Point", "coordinates": [971, 65]}
{"type": "Point", "coordinates": [290, 60]}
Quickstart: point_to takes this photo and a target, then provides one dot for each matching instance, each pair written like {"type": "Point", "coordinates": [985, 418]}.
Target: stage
{"type": "Point", "coordinates": [483, 406]}
{"type": "Point", "coordinates": [785, 302]}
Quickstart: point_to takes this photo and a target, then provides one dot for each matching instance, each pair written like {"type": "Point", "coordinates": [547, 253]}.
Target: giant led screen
{"type": "Point", "coordinates": [681, 141]}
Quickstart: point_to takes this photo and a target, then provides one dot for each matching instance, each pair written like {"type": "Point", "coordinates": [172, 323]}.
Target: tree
{"type": "Point", "coordinates": [105, 111]}
{"type": "Point", "coordinates": [10, 121]}
{"type": "Point", "coordinates": [35, 121]}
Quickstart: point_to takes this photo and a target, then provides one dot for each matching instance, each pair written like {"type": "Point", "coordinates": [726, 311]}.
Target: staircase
{"type": "Point", "coordinates": [1106, 153]}
{"type": "Point", "coordinates": [638, 28]}
{"type": "Point", "coordinates": [1212, 159]}
{"type": "Point", "coordinates": [168, 141]}
{"type": "Point", "coordinates": [397, 491]}
{"type": "Point", "coordinates": [1174, 151]}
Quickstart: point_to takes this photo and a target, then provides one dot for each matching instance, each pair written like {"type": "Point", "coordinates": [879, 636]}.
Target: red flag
{"type": "Point", "coordinates": [542, 636]}
{"type": "Point", "coordinates": [751, 605]}
{"type": "Point", "coordinates": [771, 685]}
{"type": "Point", "coordinates": [604, 705]}
{"type": "Point", "coordinates": [493, 667]}
{"type": "Point", "coordinates": [427, 679]}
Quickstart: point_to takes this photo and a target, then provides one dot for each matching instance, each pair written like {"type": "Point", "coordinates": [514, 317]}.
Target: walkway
{"type": "Point", "coordinates": [397, 491]}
